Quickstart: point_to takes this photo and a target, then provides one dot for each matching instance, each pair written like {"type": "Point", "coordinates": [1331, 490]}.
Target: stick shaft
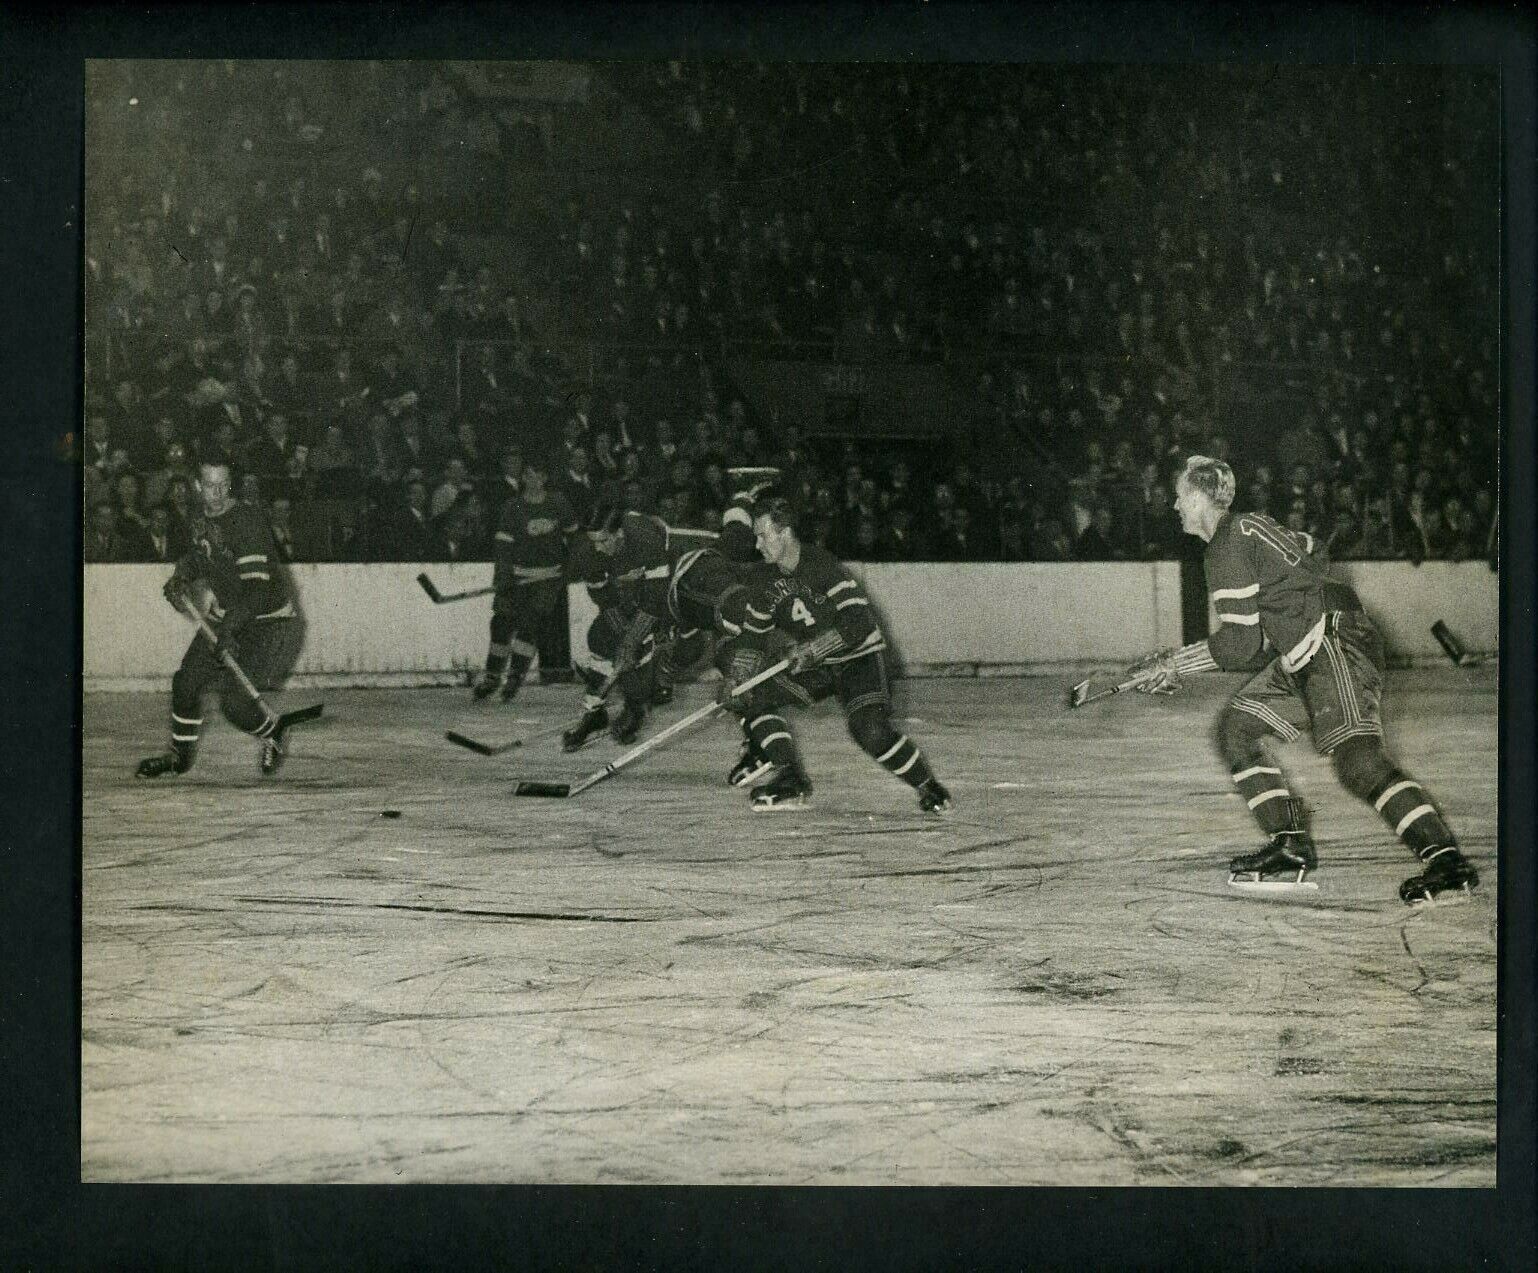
{"type": "Point", "coordinates": [227, 658]}
{"type": "Point", "coordinates": [677, 727]}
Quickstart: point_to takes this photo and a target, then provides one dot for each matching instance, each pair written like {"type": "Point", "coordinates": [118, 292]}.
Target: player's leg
{"type": "Point", "coordinates": [603, 638]}
{"type": "Point", "coordinates": [769, 753]}
{"type": "Point", "coordinates": [503, 609]}
{"type": "Point", "coordinates": [635, 689]}
{"type": "Point", "coordinates": [1265, 710]}
{"type": "Point", "coordinates": [534, 605]}
{"type": "Point", "coordinates": [1346, 693]}
{"type": "Point", "coordinates": [259, 644]}
{"type": "Point", "coordinates": [198, 669]}
{"type": "Point", "coordinates": [679, 651]}
{"type": "Point", "coordinates": [864, 691]}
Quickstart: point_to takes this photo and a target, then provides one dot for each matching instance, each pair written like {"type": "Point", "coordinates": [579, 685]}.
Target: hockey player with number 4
{"type": "Point", "coordinates": [1320, 661]}
{"type": "Point", "coordinates": [837, 648]}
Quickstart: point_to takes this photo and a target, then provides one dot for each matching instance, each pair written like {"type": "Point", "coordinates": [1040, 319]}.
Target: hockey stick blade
{"type": "Point", "coordinates": [479, 748]}
{"type": "Point", "coordinates": [427, 586]}
{"type": "Point", "coordinates": [554, 790]}
{"type": "Point", "coordinates": [1079, 694]}
{"type": "Point", "coordinates": [300, 715]}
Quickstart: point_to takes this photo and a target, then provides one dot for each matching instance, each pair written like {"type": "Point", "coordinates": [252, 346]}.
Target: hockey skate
{"type": "Point", "coordinates": [274, 751]}
{"type": "Point", "coordinates": [594, 721]}
{"type": "Point", "coordinates": [628, 723]}
{"type": "Point", "coordinates": [1282, 865]}
{"type": "Point", "coordinates": [176, 761]}
{"type": "Point", "coordinates": [486, 686]}
{"type": "Point", "coordinates": [934, 798]}
{"type": "Point", "coordinates": [750, 767]}
{"type": "Point", "coordinates": [511, 685]}
{"type": "Point", "coordinates": [1449, 878]}
{"type": "Point", "coordinates": [785, 791]}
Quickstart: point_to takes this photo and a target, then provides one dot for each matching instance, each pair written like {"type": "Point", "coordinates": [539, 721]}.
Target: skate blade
{"type": "Point", "coordinates": [800, 802]}
{"type": "Point", "coordinates": [1273, 886]}
{"type": "Point", "coordinates": [1452, 897]}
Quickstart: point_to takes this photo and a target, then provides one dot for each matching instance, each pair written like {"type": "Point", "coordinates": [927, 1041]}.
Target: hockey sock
{"type": "Point", "coordinates": [771, 735]}
{"type": "Point", "coordinates": [247, 714]}
{"type": "Point", "coordinates": [1404, 805]}
{"type": "Point", "coordinates": [904, 759]}
{"type": "Point", "coordinates": [520, 655]}
{"type": "Point", "coordinates": [499, 648]}
{"type": "Point", "coordinates": [1264, 788]}
{"type": "Point", "coordinates": [185, 730]}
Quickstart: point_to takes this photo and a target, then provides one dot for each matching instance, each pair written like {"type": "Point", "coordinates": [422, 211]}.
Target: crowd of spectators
{"type": "Point", "coordinates": [1120, 277]}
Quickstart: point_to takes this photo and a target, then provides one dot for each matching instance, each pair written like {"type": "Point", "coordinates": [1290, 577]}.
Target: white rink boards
{"type": "Point", "coordinates": [652, 984]}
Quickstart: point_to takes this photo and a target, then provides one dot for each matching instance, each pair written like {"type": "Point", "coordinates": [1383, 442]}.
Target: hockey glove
{"type": "Point", "coordinates": [808, 654]}
{"type": "Point", "coordinates": [1157, 673]}
{"type": "Point", "coordinates": [227, 645]}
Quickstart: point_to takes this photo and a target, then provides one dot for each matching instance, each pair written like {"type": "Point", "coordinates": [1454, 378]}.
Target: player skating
{"type": "Point", "coordinates": [836, 648]}
{"type": "Point", "coordinates": [527, 580]}
{"type": "Point", "coordinates": [1321, 667]}
{"type": "Point", "coordinates": [233, 555]}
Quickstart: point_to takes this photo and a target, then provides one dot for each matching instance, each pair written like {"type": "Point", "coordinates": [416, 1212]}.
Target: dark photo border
{"type": "Point", "coordinates": [51, 1221]}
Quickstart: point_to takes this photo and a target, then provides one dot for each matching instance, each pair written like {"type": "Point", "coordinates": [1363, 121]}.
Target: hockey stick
{"type": "Point", "coordinates": [1080, 695]}
{"type": "Point", "coordinates": [285, 719]}
{"type": "Point", "coordinates": [1453, 647]}
{"type": "Point", "coordinates": [443, 598]}
{"type": "Point", "coordinates": [498, 749]}
{"type": "Point", "coordinates": [565, 790]}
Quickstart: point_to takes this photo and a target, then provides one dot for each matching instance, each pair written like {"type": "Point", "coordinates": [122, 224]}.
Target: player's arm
{"type": "Point", "coordinates": [260, 586]}
{"type": "Point", "coordinates": [854, 623]}
{"type": "Point", "coordinates": [736, 542]}
{"type": "Point", "coordinates": [1233, 586]}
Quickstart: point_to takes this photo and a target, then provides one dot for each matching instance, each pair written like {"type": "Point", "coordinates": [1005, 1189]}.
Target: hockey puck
{"type": "Point", "coordinates": [389, 813]}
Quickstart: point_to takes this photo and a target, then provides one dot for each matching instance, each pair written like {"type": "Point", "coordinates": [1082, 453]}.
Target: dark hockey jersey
{"type": "Point", "coordinates": [1269, 585]}
{"type": "Point", "coordinates": [818, 596]}
{"type": "Point", "coordinates": [234, 554]}
{"type": "Point", "coordinates": [531, 540]}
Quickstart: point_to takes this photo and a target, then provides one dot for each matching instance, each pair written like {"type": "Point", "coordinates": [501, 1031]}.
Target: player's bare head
{"type": "Point", "coordinates": [775, 531]}
{"type": "Point", "coordinates": [1212, 477]}
{"type": "Point", "coordinates": [604, 527]}
{"type": "Point", "coordinates": [214, 484]}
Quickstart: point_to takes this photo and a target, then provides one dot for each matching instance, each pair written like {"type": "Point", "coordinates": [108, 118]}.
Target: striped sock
{"type": "Point", "coordinates": [1265, 790]}
{"type": "Point", "coordinates": [904, 759]}
{"type": "Point", "coordinates": [1404, 805]}
{"type": "Point", "coordinates": [771, 735]}
{"type": "Point", "coordinates": [185, 731]}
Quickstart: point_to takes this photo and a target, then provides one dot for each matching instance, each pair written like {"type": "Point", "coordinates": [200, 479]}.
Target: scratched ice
{"type": "Point", "coordinates": [653, 984]}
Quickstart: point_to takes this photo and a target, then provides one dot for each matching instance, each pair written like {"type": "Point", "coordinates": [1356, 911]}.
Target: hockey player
{"type": "Point", "coordinates": [531, 553]}
{"type": "Point", "coordinates": [616, 635]}
{"type": "Point", "coordinates": [837, 647]}
{"type": "Point", "coordinates": [632, 558]}
{"type": "Point", "coordinates": [233, 555]}
{"type": "Point", "coordinates": [1321, 667]}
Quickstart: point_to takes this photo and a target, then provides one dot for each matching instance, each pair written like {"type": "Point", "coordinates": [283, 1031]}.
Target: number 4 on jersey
{"type": "Point", "coordinates": [801, 614]}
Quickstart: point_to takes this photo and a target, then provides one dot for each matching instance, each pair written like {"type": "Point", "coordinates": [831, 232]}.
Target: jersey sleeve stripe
{"type": "Point", "coordinates": [241, 561]}
{"type": "Point", "coordinates": [758, 614]}
{"type": "Point", "coordinates": [1237, 594]}
{"type": "Point", "coordinates": [1247, 620]}
{"type": "Point", "coordinates": [255, 574]}
{"type": "Point", "coordinates": [504, 537]}
{"type": "Point", "coordinates": [851, 601]}
{"type": "Point", "coordinates": [847, 583]}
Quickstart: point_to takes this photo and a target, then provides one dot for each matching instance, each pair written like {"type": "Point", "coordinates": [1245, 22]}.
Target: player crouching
{"type": "Point", "coordinates": [1272, 591]}
{"type": "Point", "coordinates": [836, 648]}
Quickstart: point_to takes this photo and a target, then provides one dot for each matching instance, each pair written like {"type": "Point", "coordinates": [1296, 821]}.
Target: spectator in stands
{"type": "Point", "coordinates": [167, 542]}
{"type": "Point", "coordinates": [104, 541]}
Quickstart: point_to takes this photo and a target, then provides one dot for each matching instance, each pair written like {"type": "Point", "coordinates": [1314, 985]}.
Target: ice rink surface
{"type": "Point", "coordinates": [1055, 985]}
